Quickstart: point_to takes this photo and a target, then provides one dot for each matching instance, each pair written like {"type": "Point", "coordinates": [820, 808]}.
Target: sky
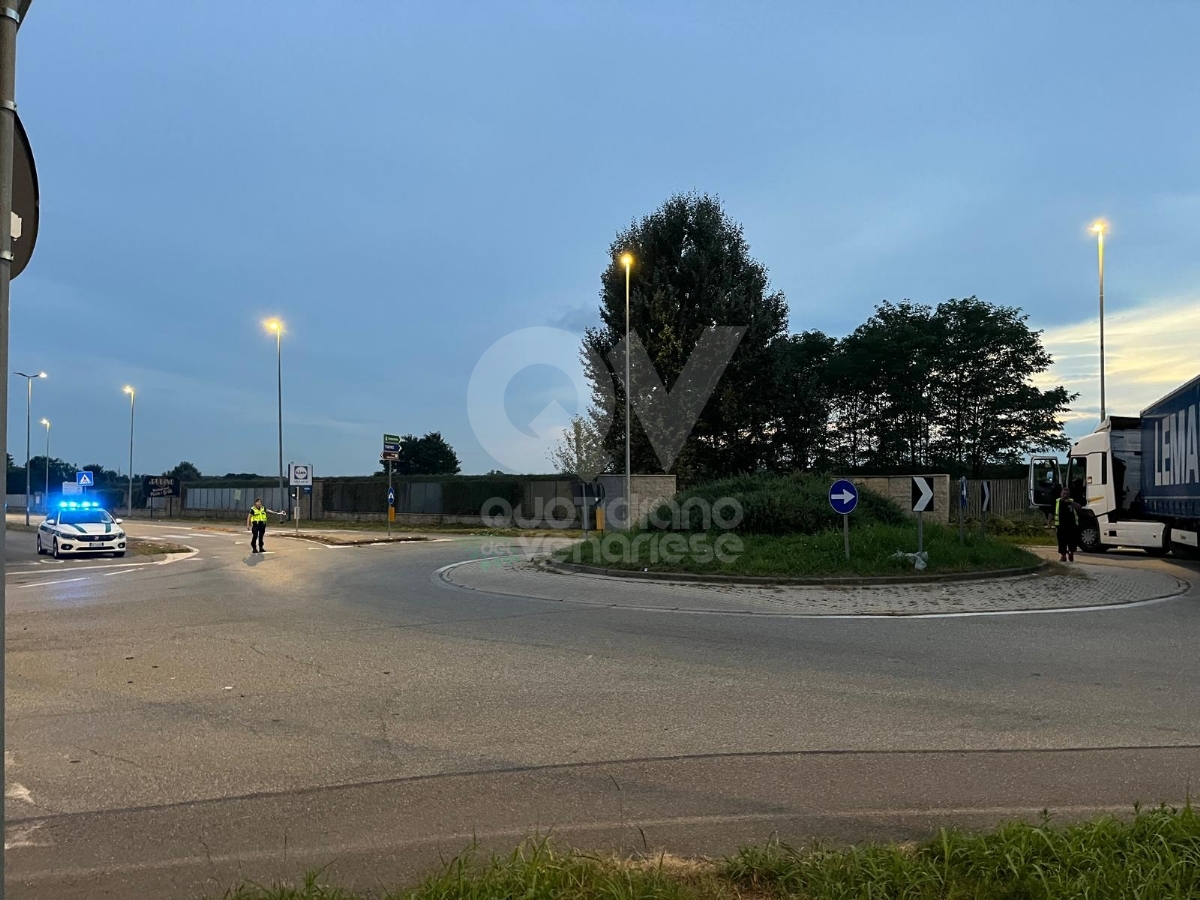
{"type": "Point", "coordinates": [405, 184]}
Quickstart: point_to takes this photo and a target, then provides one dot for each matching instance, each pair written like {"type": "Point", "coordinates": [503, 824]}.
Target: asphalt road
{"type": "Point", "coordinates": [174, 727]}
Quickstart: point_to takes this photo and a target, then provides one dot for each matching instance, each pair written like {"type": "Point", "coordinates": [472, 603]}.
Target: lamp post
{"type": "Point", "coordinates": [627, 260]}
{"type": "Point", "coordinates": [28, 407]}
{"type": "Point", "coordinates": [46, 495]}
{"type": "Point", "coordinates": [1100, 228]}
{"type": "Point", "coordinates": [132, 395]}
{"type": "Point", "coordinates": [276, 327]}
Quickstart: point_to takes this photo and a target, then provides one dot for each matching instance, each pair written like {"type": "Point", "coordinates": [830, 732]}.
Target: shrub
{"type": "Point", "coordinates": [776, 504]}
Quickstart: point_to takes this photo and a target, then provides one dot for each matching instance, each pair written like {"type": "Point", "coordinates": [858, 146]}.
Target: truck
{"type": "Point", "coordinates": [1137, 478]}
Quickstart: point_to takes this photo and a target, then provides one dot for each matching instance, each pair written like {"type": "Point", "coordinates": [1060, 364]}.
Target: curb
{"type": "Point", "coordinates": [759, 581]}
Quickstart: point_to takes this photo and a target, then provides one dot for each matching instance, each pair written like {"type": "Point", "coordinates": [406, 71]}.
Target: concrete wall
{"type": "Point", "coordinates": [648, 491]}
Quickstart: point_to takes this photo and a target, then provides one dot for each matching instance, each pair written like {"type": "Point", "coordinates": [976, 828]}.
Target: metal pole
{"type": "Point", "coordinates": [920, 533]}
{"type": "Point", "coordinates": [132, 401]}
{"type": "Point", "coordinates": [28, 406]}
{"type": "Point", "coordinates": [46, 496]}
{"type": "Point", "coordinates": [1100, 246]}
{"type": "Point", "coordinates": [279, 385]}
{"type": "Point", "coordinates": [846, 534]}
{"type": "Point", "coordinates": [962, 535]}
{"type": "Point", "coordinates": [983, 523]}
{"type": "Point", "coordinates": [391, 505]}
{"type": "Point", "coordinates": [628, 353]}
{"type": "Point", "coordinates": [9, 20]}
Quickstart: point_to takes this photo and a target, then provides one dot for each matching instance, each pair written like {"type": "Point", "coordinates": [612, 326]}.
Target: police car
{"type": "Point", "coordinates": [80, 527]}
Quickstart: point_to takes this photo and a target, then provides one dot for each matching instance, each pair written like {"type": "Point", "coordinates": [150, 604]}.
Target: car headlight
{"type": "Point", "coordinates": [120, 535]}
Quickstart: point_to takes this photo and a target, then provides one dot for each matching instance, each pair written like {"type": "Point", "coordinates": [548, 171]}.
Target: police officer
{"type": "Point", "coordinates": [1066, 526]}
{"type": "Point", "coordinates": [256, 521]}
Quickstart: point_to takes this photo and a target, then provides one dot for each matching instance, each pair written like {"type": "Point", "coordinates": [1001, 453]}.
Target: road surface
{"type": "Point", "coordinates": [175, 727]}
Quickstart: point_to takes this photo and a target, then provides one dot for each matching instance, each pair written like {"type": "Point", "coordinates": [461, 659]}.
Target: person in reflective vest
{"type": "Point", "coordinates": [1066, 526]}
{"type": "Point", "coordinates": [256, 521]}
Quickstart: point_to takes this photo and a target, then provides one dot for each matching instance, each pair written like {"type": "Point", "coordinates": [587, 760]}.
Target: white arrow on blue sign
{"type": "Point", "coordinates": [85, 479]}
{"type": "Point", "coordinates": [391, 496]}
{"type": "Point", "coordinates": [843, 497]}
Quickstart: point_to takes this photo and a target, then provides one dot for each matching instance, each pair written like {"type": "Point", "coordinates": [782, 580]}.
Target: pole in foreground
{"type": "Point", "coordinates": [28, 413]}
{"type": "Point", "coordinates": [46, 495]}
{"type": "Point", "coordinates": [962, 508]}
{"type": "Point", "coordinates": [132, 395]}
{"type": "Point", "coordinates": [275, 326]}
{"type": "Point", "coordinates": [10, 20]}
{"type": "Point", "coordinates": [627, 261]}
{"type": "Point", "coordinates": [920, 532]}
{"type": "Point", "coordinates": [1100, 228]}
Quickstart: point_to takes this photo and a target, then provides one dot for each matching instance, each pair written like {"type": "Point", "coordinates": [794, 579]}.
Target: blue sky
{"type": "Point", "coordinates": [407, 183]}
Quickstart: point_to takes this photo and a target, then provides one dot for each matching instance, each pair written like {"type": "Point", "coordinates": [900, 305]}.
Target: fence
{"type": "Point", "coordinates": [1010, 497]}
{"type": "Point", "coordinates": [233, 499]}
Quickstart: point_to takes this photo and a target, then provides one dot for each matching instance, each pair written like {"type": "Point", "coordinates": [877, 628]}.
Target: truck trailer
{"type": "Point", "coordinates": [1137, 478]}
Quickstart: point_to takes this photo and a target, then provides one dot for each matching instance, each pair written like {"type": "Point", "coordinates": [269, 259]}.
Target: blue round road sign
{"type": "Point", "coordinates": [843, 497]}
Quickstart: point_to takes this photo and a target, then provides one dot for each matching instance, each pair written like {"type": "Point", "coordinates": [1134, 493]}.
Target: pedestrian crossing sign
{"type": "Point", "coordinates": [85, 479]}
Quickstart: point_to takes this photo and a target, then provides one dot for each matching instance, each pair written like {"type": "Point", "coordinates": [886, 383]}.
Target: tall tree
{"type": "Point", "coordinates": [428, 455]}
{"type": "Point", "coordinates": [692, 271]}
{"type": "Point", "coordinates": [185, 472]}
{"type": "Point", "coordinates": [988, 409]}
{"type": "Point", "coordinates": [580, 451]}
{"type": "Point", "coordinates": [802, 402]}
{"type": "Point", "coordinates": [883, 378]}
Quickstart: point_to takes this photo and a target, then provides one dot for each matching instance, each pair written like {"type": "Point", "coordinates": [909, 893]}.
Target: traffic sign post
{"type": "Point", "coordinates": [985, 506]}
{"type": "Point", "coordinates": [962, 508]}
{"type": "Point", "coordinates": [390, 454]}
{"type": "Point", "coordinates": [922, 501]}
{"type": "Point", "coordinates": [843, 497]}
{"type": "Point", "coordinates": [85, 479]}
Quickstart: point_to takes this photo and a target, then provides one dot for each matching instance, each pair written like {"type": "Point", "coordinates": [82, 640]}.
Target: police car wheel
{"type": "Point", "coordinates": [41, 551]}
{"type": "Point", "coordinates": [55, 552]}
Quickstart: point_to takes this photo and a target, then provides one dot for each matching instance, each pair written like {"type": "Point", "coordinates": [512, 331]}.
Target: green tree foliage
{"type": "Point", "coordinates": [60, 471]}
{"type": "Point", "coordinates": [185, 472]}
{"type": "Point", "coordinates": [428, 455]}
{"type": "Point", "coordinates": [692, 270]}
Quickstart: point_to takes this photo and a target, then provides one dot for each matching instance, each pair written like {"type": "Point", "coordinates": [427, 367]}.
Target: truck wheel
{"type": "Point", "coordinates": [1089, 537]}
{"type": "Point", "coordinates": [1183, 551]}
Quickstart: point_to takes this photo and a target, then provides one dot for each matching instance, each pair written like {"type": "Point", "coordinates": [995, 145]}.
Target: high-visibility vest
{"type": "Point", "coordinates": [1057, 505]}
{"type": "Point", "coordinates": [260, 515]}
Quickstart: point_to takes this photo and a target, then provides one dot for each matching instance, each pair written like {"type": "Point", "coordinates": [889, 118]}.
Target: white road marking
{"type": "Point", "coordinates": [118, 572]}
{"type": "Point", "coordinates": [9, 758]}
{"type": "Point", "coordinates": [48, 583]}
{"type": "Point", "coordinates": [19, 836]}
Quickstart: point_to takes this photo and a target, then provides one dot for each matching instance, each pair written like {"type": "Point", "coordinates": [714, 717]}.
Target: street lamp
{"type": "Point", "coordinates": [1100, 228]}
{"type": "Point", "coordinates": [46, 495]}
{"type": "Point", "coordinates": [132, 395]}
{"type": "Point", "coordinates": [276, 327]}
{"type": "Point", "coordinates": [627, 261]}
{"type": "Point", "coordinates": [28, 406]}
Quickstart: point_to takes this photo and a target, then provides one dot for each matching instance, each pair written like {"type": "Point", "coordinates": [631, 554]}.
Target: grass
{"type": "Point", "coordinates": [1153, 855]}
{"type": "Point", "coordinates": [872, 549]}
{"type": "Point", "coordinates": [141, 547]}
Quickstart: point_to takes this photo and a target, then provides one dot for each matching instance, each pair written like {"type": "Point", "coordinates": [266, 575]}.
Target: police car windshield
{"type": "Point", "coordinates": [84, 517]}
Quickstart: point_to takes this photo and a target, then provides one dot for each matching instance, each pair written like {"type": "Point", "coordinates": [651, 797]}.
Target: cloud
{"type": "Point", "coordinates": [576, 319]}
{"type": "Point", "coordinates": [1148, 351]}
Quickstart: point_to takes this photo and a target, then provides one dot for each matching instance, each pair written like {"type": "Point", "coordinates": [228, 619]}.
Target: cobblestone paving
{"type": "Point", "coordinates": [1083, 586]}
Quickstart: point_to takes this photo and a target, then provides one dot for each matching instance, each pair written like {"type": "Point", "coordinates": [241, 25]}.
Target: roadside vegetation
{"type": "Point", "coordinates": [1153, 855]}
{"type": "Point", "coordinates": [782, 526]}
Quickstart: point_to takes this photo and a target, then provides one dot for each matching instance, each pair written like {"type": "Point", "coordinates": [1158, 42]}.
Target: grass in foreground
{"type": "Point", "coordinates": [872, 549]}
{"type": "Point", "coordinates": [1155, 855]}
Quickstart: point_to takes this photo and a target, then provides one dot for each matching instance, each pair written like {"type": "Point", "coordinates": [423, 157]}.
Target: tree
{"type": "Point", "coordinates": [185, 472]}
{"type": "Point", "coordinates": [60, 471]}
{"type": "Point", "coordinates": [692, 271]}
{"type": "Point", "coordinates": [802, 402]}
{"type": "Point", "coordinates": [580, 451]}
{"type": "Point", "coordinates": [882, 378]}
{"type": "Point", "coordinates": [988, 410]}
{"type": "Point", "coordinates": [428, 455]}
